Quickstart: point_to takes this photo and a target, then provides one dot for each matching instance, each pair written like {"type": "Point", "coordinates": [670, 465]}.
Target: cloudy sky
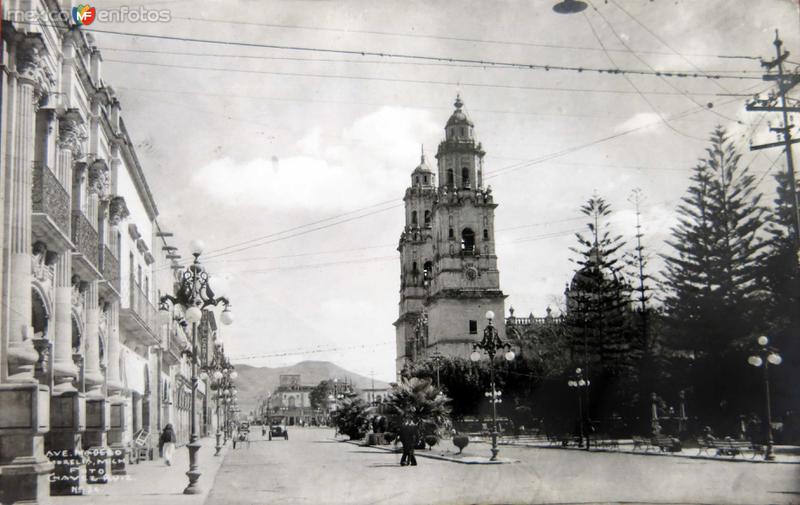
{"type": "Point", "coordinates": [290, 162]}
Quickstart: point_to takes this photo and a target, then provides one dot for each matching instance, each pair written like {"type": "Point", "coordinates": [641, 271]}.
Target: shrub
{"type": "Point", "coordinates": [351, 417]}
{"type": "Point", "coordinates": [460, 441]}
{"type": "Point", "coordinates": [431, 440]}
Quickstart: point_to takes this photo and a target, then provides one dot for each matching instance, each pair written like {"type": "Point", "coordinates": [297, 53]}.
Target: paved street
{"type": "Point", "coordinates": [311, 468]}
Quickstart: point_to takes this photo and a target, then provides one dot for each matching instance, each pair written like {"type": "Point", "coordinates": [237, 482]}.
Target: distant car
{"type": "Point", "coordinates": [278, 430]}
{"type": "Point", "coordinates": [245, 426]}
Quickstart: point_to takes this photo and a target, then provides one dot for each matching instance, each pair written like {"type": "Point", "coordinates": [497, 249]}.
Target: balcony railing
{"type": "Point", "coordinates": [142, 307]}
{"type": "Point", "coordinates": [111, 268]}
{"type": "Point", "coordinates": [85, 237]}
{"type": "Point", "coordinates": [49, 197]}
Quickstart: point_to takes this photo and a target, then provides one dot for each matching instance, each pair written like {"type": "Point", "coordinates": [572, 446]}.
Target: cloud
{"type": "Point", "coordinates": [639, 120]}
{"type": "Point", "coordinates": [359, 164]}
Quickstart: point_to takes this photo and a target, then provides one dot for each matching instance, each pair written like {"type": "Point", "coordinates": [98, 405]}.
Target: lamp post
{"type": "Point", "coordinates": [222, 374]}
{"type": "Point", "coordinates": [491, 343]}
{"type": "Point", "coordinates": [194, 294]}
{"type": "Point", "coordinates": [766, 355]}
{"type": "Point", "coordinates": [437, 359]}
{"type": "Point", "coordinates": [420, 334]}
{"type": "Point", "coordinates": [569, 7]}
{"type": "Point", "coordinates": [579, 382]}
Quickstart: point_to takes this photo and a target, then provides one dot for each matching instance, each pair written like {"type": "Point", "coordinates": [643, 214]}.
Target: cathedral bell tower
{"type": "Point", "coordinates": [449, 276]}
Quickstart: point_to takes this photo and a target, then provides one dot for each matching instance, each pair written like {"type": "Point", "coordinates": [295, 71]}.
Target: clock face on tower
{"type": "Point", "coordinates": [471, 272]}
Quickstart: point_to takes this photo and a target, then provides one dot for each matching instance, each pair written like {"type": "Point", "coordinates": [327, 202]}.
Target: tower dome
{"type": "Point", "coordinates": [422, 175]}
{"type": "Point", "coordinates": [459, 127]}
{"type": "Point", "coordinates": [459, 117]}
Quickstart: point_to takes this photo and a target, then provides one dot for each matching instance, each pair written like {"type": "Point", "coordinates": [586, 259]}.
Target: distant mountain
{"type": "Point", "coordinates": [254, 382]}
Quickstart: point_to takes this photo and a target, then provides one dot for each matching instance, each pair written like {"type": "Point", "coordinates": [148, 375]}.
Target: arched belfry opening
{"type": "Point", "coordinates": [468, 240]}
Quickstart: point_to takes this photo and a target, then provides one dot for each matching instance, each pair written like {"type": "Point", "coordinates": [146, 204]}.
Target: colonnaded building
{"type": "Point", "coordinates": [448, 265]}
{"type": "Point", "coordinates": [88, 372]}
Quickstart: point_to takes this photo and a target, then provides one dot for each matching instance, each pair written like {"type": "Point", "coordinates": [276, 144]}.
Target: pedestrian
{"type": "Point", "coordinates": [264, 431]}
{"type": "Point", "coordinates": [408, 436]}
{"type": "Point", "coordinates": [166, 443]}
{"type": "Point", "coordinates": [235, 436]}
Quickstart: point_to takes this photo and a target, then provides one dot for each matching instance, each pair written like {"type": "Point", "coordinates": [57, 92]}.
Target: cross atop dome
{"type": "Point", "coordinates": [459, 117]}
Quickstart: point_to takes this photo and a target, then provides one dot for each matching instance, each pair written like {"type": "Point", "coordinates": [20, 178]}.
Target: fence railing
{"type": "Point", "coordinates": [141, 305]}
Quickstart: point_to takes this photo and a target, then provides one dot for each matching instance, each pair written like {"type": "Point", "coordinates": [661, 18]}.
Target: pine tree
{"type": "Point", "coordinates": [711, 278]}
{"type": "Point", "coordinates": [598, 295]}
{"type": "Point", "coordinates": [782, 265]}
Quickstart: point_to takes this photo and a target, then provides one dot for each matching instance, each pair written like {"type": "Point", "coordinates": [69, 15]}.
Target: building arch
{"type": "Point", "coordinates": [468, 240]}
{"type": "Point", "coordinates": [40, 312]}
{"type": "Point", "coordinates": [77, 332]}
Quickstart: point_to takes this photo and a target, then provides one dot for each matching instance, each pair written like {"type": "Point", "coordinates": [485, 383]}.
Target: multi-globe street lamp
{"type": "Point", "coordinates": [491, 343]}
{"type": "Point", "coordinates": [194, 295]}
{"type": "Point", "coordinates": [222, 375]}
{"type": "Point", "coordinates": [579, 382]}
{"type": "Point", "coordinates": [766, 355]}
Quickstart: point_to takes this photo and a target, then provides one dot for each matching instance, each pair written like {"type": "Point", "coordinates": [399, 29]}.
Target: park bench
{"type": "Point", "coordinates": [729, 447]}
{"type": "Point", "coordinates": [704, 444]}
{"type": "Point", "coordinates": [568, 439]}
{"type": "Point", "coordinates": [641, 443]}
{"type": "Point", "coordinates": [603, 441]}
{"type": "Point", "coordinates": [666, 443]}
{"type": "Point", "coordinates": [735, 448]}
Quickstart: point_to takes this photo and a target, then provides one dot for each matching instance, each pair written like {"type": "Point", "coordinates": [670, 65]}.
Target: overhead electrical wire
{"type": "Point", "coordinates": [381, 54]}
{"type": "Point", "coordinates": [369, 104]}
{"type": "Point", "coordinates": [633, 85]}
{"type": "Point", "coordinates": [438, 37]}
{"type": "Point", "coordinates": [276, 236]}
{"type": "Point", "coordinates": [405, 80]}
{"type": "Point", "coordinates": [645, 63]}
{"type": "Point", "coordinates": [363, 61]}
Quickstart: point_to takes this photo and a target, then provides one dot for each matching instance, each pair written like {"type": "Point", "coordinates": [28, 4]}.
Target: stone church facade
{"type": "Point", "coordinates": [449, 276]}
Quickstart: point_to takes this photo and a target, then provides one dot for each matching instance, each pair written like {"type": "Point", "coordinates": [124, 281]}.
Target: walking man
{"type": "Point", "coordinates": [408, 437]}
{"type": "Point", "coordinates": [167, 443]}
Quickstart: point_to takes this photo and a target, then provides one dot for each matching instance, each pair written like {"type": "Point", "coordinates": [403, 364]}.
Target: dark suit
{"type": "Point", "coordinates": [408, 437]}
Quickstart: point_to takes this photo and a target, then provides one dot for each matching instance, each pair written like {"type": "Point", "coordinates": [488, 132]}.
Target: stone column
{"type": "Point", "coordinates": [115, 384]}
{"type": "Point", "coordinates": [94, 375]}
{"type": "Point", "coordinates": [65, 371]}
{"type": "Point", "coordinates": [21, 354]}
{"type": "Point", "coordinates": [24, 468]}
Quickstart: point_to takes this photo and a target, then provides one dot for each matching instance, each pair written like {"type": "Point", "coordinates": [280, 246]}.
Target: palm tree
{"type": "Point", "coordinates": [352, 417]}
{"type": "Point", "coordinates": [421, 402]}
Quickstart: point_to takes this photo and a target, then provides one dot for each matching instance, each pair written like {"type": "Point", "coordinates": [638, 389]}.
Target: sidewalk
{"type": "Point", "coordinates": [153, 482]}
{"type": "Point", "coordinates": [783, 454]}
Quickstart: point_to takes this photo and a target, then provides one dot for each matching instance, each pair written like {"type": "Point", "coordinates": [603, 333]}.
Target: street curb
{"type": "Point", "coordinates": [657, 454]}
{"type": "Point", "coordinates": [432, 456]}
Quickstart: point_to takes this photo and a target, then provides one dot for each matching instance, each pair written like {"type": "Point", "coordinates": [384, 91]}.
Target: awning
{"type": "Point", "coordinates": [134, 371]}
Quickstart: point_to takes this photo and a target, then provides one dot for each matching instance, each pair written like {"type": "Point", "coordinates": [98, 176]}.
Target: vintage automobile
{"type": "Point", "coordinates": [278, 430]}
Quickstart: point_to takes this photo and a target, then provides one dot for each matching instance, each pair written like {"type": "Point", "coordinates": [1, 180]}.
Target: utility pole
{"type": "Point", "coordinates": [778, 103]}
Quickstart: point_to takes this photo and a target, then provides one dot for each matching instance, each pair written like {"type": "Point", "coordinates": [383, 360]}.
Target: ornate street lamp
{"type": "Point", "coordinates": [579, 382]}
{"type": "Point", "coordinates": [437, 358]}
{"type": "Point", "coordinates": [222, 375]}
{"type": "Point", "coordinates": [766, 355]}
{"type": "Point", "coordinates": [420, 334]}
{"type": "Point", "coordinates": [491, 343]}
{"type": "Point", "coordinates": [569, 7]}
{"type": "Point", "coordinates": [194, 294]}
